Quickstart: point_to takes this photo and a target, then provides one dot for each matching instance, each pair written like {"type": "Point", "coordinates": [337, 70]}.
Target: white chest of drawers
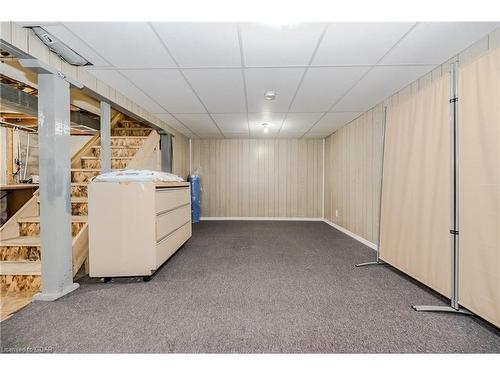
{"type": "Point", "coordinates": [134, 227]}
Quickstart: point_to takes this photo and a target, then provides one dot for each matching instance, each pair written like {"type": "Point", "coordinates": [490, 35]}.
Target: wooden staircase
{"type": "Point", "coordinates": [20, 253]}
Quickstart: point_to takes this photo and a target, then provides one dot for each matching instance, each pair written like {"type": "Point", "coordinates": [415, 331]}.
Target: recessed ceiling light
{"type": "Point", "coordinates": [282, 24]}
{"type": "Point", "coordinates": [266, 126]}
{"type": "Point", "coordinates": [270, 95]}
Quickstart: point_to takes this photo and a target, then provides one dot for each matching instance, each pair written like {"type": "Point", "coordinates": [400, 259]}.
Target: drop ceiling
{"type": "Point", "coordinates": [208, 79]}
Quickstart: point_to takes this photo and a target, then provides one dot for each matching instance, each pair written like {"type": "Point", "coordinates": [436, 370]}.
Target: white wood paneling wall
{"type": "Point", "coordinates": [353, 165]}
{"type": "Point", "coordinates": [180, 156]}
{"type": "Point", "coordinates": [260, 177]}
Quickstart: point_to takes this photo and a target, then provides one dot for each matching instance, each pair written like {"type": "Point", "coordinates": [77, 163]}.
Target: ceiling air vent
{"type": "Point", "coordinates": [59, 48]}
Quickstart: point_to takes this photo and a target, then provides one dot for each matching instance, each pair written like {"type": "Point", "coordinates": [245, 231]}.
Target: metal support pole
{"type": "Point", "coordinates": [105, 137]}
{"type": "Point", "coordinates": [166, 152]}
{"type": "Point", "coordinates": [377, 259]}
{"type": "Point", "coordinates": [454, 231]}
{"type": "Point", "coordinates": [55, 187]}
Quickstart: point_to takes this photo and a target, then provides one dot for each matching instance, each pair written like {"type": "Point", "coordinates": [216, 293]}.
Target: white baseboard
{"type": "Point", "coordinates": [263, 218]}
{"type": "Point", "coordinates": [353, 235]}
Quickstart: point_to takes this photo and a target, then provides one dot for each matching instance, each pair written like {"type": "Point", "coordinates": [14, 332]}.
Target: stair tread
{"type": "Point", "coordinates": [112, 158]}
{"type": "Point", "coordinates": [72, 184]}
{"type": "Point", "coordinates": [21, 241]}
{"type": "Point", "coordinates": [76, 199]}
{"type": "Point", "coordinates": [20, 267]}
{"type": "Point", "coordinates": [130, 136]}
{"type": "Point", "coordinates": [124, 147]}
{"type": "Point", "coordinates": [36, 219]}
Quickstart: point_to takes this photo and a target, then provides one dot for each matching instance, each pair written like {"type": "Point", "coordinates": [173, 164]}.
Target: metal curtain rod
{"type": "Point", "coordinates": [377, 260]}
{"type": "Point", "coordinates": [454, 233]}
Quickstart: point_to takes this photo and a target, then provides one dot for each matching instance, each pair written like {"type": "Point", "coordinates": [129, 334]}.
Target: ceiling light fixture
{"type": "Point", "coordinates": [270, 95]}
{"type": "Point", "coordinates": [282, 24]}
{"type": "Point", "coordinates": [266, 126]}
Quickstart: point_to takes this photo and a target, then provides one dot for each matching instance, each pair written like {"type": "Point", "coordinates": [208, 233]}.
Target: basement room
{"type": "Point", "coordinates": [240, 184]}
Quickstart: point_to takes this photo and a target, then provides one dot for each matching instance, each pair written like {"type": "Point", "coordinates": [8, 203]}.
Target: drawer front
{"type": "Point", "coordinates": [167, 199]}
{"type": "Point", "coordinates": [169, 245]}
{"type": "Point", "coordinates": [167, 222]}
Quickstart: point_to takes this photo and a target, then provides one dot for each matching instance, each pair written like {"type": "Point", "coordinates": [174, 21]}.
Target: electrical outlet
{"type": "Point", "coordinates": [336, 213]}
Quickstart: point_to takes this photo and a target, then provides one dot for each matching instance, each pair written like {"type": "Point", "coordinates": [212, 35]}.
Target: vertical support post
{"type": "Point", "coordinates": [10, 156]}
{"type": "Point", "coordinates": [454, 183]}
{"type": "Point", "coordinates": [377, 259]}
{"type": "Point", "coordinates": [105, 137]}
{"type": "Point", "coordinates": [55, 187]}
{"type": "Point", "coordinates": [454, 306]}
{"type": "Point", "coordinates": [166, 152]}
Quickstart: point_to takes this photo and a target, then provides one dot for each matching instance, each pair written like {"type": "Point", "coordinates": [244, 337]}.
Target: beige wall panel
{"type": "Point", "coordinates": [416, 196]}
{"type": "Point", "coordinates": [479, 186]}
{"type": "Point", "coordinates": [6, 32]}
{"type": "Point", "coordinates": [180, 163]}
{"type": "Point", "coordinates": [35, 47]}
{"type": "Point", "coordinates": [259, 177]}
{"type": "Point", "coordinates": [19, 37]}
{"type": "Point", "coordinates": [353, 173]}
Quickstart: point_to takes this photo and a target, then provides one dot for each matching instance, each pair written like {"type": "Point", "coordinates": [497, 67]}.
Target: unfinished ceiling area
{"type": "Point", "coordinates": [209, 79]}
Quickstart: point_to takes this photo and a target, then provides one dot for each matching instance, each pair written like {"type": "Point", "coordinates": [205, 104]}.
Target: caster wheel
{"type": "Point", "coordinates": [106, 279]}
{"type": "Point", "coordinates": [146, 279]}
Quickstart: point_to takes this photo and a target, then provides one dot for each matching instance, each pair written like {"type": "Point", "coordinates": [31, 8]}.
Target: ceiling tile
{"type": "Point", "coordinates": [124, 44]}
{"type": "Point", "coordinates": [315, 136]}
{"type": "Point", "coordinates": [283, 134]}
{"type": "Point", "coordinates": [267, 45]}
{"type": "Point", "coordinates": [357, 43]}
{"type": "Point", "coordinates": [231, 122]}
{"type": "Point", "coordinates": [127, 89]}
{"type": "Point", "coordinates": [201, 124]}
{"type": "Point", "coordinates": [77, 45]}
{"type": "Point", "coordinates": [256, 119]}
{"type": "Point", "coordinates": [168, 88]}
{"type": "Point", "coordinates": [324, 86]}
{"type": "Point", "coordinates": [436, 42]}
{"type": "Point", "coordinates": [283, 81]}
{"type": "Point", "coordinates": [331, 122]}
{"type": "Point", "coordinates": [176, 124]}
{"type": "Point", "coordinates": [299, 122]}
{"type": "Point", "coordinates": [236, 135]}
{"type": "Point", "coordinates": [221, 90]}
{"type": "Point", "coordinates": [378, 84]}
{"type": "Point", "coordinates": [198, 44]}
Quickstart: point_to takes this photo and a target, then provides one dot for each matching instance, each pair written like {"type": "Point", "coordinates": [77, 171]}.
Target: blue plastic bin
{"type": "Point", "coordinates": [195, 198]}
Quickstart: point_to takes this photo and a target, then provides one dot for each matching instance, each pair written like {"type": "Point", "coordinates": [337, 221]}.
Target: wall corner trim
{"type": "Point", "coordinates": [350, 234]}
{"type": "Point", "coordinates": [260, 218]}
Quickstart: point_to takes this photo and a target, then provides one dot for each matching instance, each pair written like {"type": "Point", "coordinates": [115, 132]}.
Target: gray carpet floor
{"type": "Point", "coordinates": [246, 287]}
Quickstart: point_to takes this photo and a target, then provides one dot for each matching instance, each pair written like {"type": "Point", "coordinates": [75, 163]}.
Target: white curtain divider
{"type": "Point", "coordinates": [479, 186]}
{"type": "Point", "coordinates": [415, 210]}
